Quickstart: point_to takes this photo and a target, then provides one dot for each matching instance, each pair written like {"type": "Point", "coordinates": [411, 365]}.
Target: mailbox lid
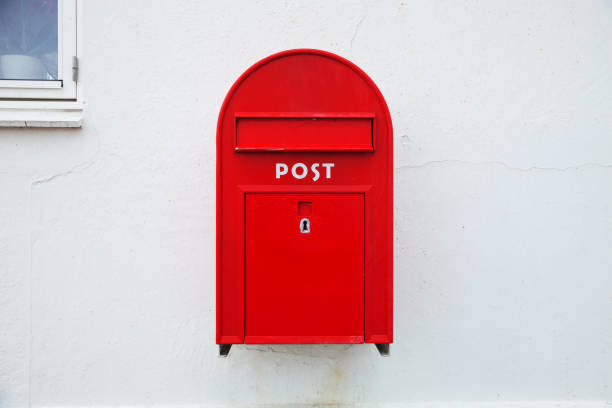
{"type": "Point", "coordinates": [304, 287]}
{"type": "Point", "coordinates": [304, 131]}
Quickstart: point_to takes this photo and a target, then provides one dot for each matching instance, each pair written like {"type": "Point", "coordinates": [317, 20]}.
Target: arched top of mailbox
{"type": "Point", "coordinates": [311, 92]}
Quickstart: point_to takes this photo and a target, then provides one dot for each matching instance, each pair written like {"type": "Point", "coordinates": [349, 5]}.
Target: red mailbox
{"type": "Point", "coordinates": [304, 205]}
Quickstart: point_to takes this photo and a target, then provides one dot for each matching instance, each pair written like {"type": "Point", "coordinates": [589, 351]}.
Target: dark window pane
{"type": "Point", "coordinates": [28, 39]}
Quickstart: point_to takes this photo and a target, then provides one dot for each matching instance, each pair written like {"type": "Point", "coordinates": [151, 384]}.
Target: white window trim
{"type": "Point", "coordinates": [49, 103]}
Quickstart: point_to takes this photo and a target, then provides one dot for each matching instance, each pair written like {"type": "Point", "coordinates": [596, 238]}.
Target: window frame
{"type": "Point", "coordinates": [50, 103]}
{"type": "Point", "coordinates": [65, 86]}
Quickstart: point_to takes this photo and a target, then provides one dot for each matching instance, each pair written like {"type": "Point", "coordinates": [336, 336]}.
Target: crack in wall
{"type": "Point", "coordinates": [76, 169]}
{"type": "Point", "coordinates": [79, 168]}
{"type": "Point", "coordinates": [355, 31]}
{"type": "Point", "coordinates": [502, 164]}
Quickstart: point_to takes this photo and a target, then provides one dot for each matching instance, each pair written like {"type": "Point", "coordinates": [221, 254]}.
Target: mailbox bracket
{"type": "Point", "coordinates": [383, 349]}
{"type": "Point", "coordinates": [224, 350]}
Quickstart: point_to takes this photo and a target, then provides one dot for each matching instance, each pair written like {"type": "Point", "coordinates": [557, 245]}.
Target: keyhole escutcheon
{"type": "Point", "coordinates": [305, 226]}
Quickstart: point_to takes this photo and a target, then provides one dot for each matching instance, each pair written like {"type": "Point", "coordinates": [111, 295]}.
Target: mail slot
{"type": "Point", "coordinates": [304, 132]}
{"type": "Point", "coordinates": [304, 205]}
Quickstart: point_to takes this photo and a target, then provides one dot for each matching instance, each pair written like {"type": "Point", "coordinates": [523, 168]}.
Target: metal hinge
{"type": "Point", "coordinates": [75, 68]}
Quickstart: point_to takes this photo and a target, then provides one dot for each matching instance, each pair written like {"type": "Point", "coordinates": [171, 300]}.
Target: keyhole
{"type": "Point", "coordinates": [305, 226]}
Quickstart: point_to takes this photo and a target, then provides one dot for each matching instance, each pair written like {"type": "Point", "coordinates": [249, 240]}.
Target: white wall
{"type": "Point", "coordinates": [502, 114]}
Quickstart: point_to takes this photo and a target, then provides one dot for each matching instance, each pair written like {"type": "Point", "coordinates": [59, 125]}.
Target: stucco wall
{"type": "Point", "coordinates": [503, 209]}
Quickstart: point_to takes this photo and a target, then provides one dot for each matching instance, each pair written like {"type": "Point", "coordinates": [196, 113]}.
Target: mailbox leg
{"type": "Point", "coordinates": [224, 350]}
{"type": "Point", "coordinates": [383, 349]}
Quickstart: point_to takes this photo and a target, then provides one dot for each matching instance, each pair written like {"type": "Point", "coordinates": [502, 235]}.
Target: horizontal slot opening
{"type": "Point", "coordinates": [304, 132]}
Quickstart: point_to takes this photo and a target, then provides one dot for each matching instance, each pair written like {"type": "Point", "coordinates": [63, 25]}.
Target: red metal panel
{"type": "Point", "coordinates": [307, 133]}
{"type": "Point", "coordinates": [304, 286]}
{"type": "Point", "coordinates": [303, 84]}
{"type": "Point", "coordinates": [304, 339]}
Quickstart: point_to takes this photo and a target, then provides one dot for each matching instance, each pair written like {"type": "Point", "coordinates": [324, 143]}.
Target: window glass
{"type": "Point", "coordinates": [28, 39]}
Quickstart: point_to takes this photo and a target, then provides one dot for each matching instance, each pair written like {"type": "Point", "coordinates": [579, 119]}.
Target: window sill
{"type": "Point", "coordinates": [41, 115]}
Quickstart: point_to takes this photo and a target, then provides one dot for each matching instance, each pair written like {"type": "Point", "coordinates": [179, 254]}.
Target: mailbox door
{"type": "Point", "coordinates": [304, 268]}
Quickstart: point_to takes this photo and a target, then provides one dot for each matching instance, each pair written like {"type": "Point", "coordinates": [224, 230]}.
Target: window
{"type": "Point", "coordinates": [38, 62]}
